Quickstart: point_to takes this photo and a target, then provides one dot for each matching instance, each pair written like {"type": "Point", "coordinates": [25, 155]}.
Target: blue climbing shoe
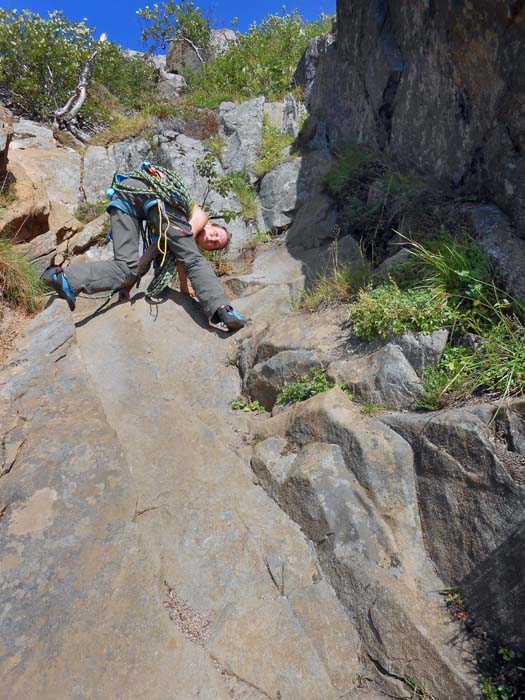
{"type": "Point", "coordinates": [55, 277]}
{"type": "Point", "coordinates": [232, 319]}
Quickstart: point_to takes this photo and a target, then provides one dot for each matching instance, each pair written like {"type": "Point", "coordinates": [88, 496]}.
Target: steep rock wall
{"type": "Point", "coordinates": [438, 83]}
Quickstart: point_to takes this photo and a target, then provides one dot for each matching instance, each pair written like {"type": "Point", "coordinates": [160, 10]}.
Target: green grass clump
{"type": "Point", "coordinates": [389, 310]}
{"type": "Point", "coordinates": [87, 211]}
{"type": "Point", "coordinates": [275, 149]}
{"type": "Point", "coordinates": [246, 193]}
{"type": "Point", "coordinates": [215, 145]}
{"type": "Point", "coordinates": [305, 388]}
{"type": "Point", "coordinates": [20, 282]}
{"type": "Point", "coordinates": [241, 404]}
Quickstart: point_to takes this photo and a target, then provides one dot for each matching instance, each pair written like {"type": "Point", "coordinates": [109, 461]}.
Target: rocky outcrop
{"type": "Point", "coordinates": [397, 76]}
{"type": "Point", "coordinates": [6, 134]}
{"type": "Point", "coordinates": [182, 56]}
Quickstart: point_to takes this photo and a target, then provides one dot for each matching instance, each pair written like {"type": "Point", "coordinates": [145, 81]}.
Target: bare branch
{"type": "Point", "coordinates": [193, 46]}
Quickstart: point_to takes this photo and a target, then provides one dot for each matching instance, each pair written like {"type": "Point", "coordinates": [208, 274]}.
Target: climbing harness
{"type": "Point", "coordinates": [164, 186]}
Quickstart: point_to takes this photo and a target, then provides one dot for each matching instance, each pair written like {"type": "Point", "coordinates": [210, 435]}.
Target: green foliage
{"type": "Point", "coordinates": [215, 145]}
{"type": "Point", "coordinates": [20, 283]}
{"type": "Point", "coordinates": [389, 310]}
{"type": "Point", "coordinates": [41, 60]}
{"type": "Point", "coordinates": [490, 691]}
{"type": "Point", "coordinates": [240, 184]}
{"type": "Point", "coordinates": [441, 381]}
{"type": "Point", "coordinates": [7, 191]}
{"type": "Point", "coordinates": [87, 211]}
{"type": "Point", "coordinates": [261, 62]}
{"type": "Point", "coordinates": [185, 21]}
{"type": "Point", "coordinates": [241, 404]}
{"type": "Point", "coordinates": [305, 388]}
{"type": "Point", "coordinates": [275, 149]}
{"type": "Point", "coordinates": [256, 240]}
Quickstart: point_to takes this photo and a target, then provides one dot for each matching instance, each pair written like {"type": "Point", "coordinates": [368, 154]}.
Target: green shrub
{"type": "Point", "coordinates": [262, 62]}
{"type": "Point", "coordinates": [389, 310]}
{"type": "Point", "coordinates": [20, 282]}
{"type": "Point", "coordinates": [41, 60]}
{"type": "Point", "coordinates": [241, 404]}
{"type": "Point", "coordinates": [275, 149]}
{"type": "Point", "coordinates": [305, 388]}
{"type": "Point", "coordinates": [183, 20]}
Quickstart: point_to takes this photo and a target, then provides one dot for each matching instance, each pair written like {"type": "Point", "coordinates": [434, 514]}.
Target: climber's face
{"type": "Point", "coordinates": [212, 237]}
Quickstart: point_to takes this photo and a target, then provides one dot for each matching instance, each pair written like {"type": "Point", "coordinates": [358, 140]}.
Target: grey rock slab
{"type": "Point", "coordinates": [28, 134]}
{"type": "Point", "coordinates": [39, 247]}
{"type": "Point", "coordinates": [314, 222]}
{"type": "Point", "coordinates": [294, 112]}
{"type": "Point", "coordinates": [98, 172]}
{"type": "Point", "coordinates": [384, 377]}
{"type": "Point", "coordinates": [278, 194]}
{"type": "Point", "coordinates": [271, 462]}
{"type": "Point", "coordinates": [128, 155]}
{"type": "Point", "coordinates": [171, 85]}
{"type": "Point", "coordinates": [469, 503]}
{"type": "Point", "coordinates": [307, 68]}
{"type": "Point", "coordinates": [267, 379]}
{"type": "Point", "coordinates": [274, 112]}
{"type": "Point", "coordinates": [81, 598]}
{"type": "Point", "coordinates": [283, 661]}
{"type": "Point", "coordinates": [241, 128]}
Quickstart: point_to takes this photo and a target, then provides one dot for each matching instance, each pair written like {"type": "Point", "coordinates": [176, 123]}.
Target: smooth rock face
{"type": "Point", "coordinates": [90, 234]}
{"type": "Point", "coordinates": [98, 172]}
{"type": "Point", "coordinates": [28, 134]}
{"type": "Point", "coordinates": [171, 85]}
{"type": "Point", "coordinates": [128, 155]}
{"type": "Point", "coordinates": [468, 500]}
{"type": "Point", "coordinates": [240, 126]}
{"type": "Point", "coordinates": [27, 216]}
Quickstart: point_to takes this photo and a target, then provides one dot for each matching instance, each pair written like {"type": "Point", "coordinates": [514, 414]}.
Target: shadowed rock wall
{"type": "Point", "coordinates": [438, 83]}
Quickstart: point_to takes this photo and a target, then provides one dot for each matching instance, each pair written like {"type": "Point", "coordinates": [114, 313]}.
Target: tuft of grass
{"type": "Point", "coordinates": [275, 149]}
{"type": "Point", "coordinates": [372, 409]}
{"type": "Point", "coordinates": [389, 310]}
{"type": "Point", "coordinates": [241, 404]}
{"type": "Point", "coordinates": [256, 240]}
{"type": "Point", "coordinates": [87, 211]}
{"type": "Point", "coordinates": [7, 191]}
{"type": "Point", "coordinates": [246, 193]}
{"type": "Point", "coordinates": [215, 145]}
{"type": "Point", "coordinates": [305, 388]}
{"type": "Point", "coordinates": [20, 282]}
{"type": "Point", "coordinates": [122, 127]}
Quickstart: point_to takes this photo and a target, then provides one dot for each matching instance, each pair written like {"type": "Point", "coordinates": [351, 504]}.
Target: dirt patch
{"type": "Point", "coordinates": [12, 323]}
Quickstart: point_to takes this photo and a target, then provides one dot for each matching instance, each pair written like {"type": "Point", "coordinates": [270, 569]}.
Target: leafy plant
{"type": "Point", "coordinates": [261, 62]}
{"type": "Point", "coordinates": [241, 404]}
{"type": "Point", "coordinates": [183, 21]}
{"type": "Point", "coordinates": [305, 388]}
{"type": "Point", "coordinates": [41, 59]}
{"type": "Point", "coordinates": [240, 184]}
{"type": "Point", "coordinates": [389, 310]}
{"type": "Point", "coordinates": [20, 283]}
{"type": "Point", "coordinates": [215, 145]}
{"type": "Point", "coordinates": [275, 149]}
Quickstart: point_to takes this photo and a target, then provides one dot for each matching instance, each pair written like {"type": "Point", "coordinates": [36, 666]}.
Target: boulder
{"type": "Point", "coordinates": [99, 168]}
{"type": "Point", "coordinates": [468, 501]}
{"type": "Point", "coordinates": [40, 250]}
{"type": "Point", "coordinates": [58, 169]}
{"type": "Point", "coordinates": [182, 57]}
{"type": "Point", "coordinates": [422, 350]}
{"type": "Point", "coordinates": [267, 379]}
{"type": "Point", "coordinates": [28, 134]}
{"type": "Point", "coordinates": [294, 113]}
{"type": "Point", "coordinates": [384, 377]}
{"type": "Point", "coordinates": [279, 196]}
{"type": "Point", "coordinates": [171, 85]}
{"type": "Point", "coordinates": [273, 111]}
{"type": "Point", "coordinates": [378, 570]}
{"type": "Point", "coordinates": [241, 129]}
{"type": "Point", "coordinates": [6, 134]}
{"type": "Point", "coordinates": [61, 222]}
{"type": "Point", "coordinates": [128, 155]}
{"type": "Point", "coordinates": [91, 233]}
{"type": "Point", "coordinates": [27, 216]}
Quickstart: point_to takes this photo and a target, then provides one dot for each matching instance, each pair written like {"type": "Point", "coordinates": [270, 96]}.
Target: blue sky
{"type": "Point", "coordinates": [117, 17]}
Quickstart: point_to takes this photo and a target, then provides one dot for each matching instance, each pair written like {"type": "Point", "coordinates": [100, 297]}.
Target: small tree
{"type": "Point", "coordinates": [170, 21]}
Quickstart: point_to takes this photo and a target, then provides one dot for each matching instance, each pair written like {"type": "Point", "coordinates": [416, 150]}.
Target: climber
{"type": "Point", "coordinates": [158, 198]}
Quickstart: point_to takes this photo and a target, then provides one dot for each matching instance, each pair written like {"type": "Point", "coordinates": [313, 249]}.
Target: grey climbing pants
{"type": "Point", "coordinates": [122, 271]}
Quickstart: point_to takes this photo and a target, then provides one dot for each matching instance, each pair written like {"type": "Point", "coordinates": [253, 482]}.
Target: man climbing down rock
{"type": "Point", "coordinates": [158, 198]}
